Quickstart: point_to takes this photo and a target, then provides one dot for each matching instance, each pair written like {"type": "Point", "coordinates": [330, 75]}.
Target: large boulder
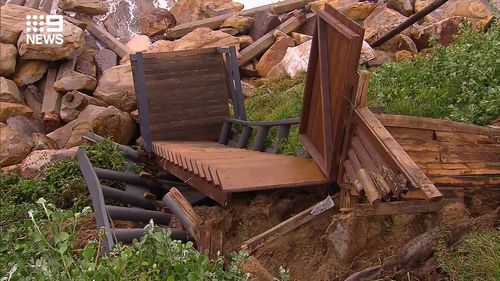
{"type": "Point", "coordinates": [41, 142]}
{"type": "Point", "coordinates": [31, 165]}
{"type": "Point", "coordinates": [266, 21]}
{"type": "Point", "coordinates": [14, 146]}
{"type": "Point", "coordinates": [105, 121]}
{"type": "Point", "coordinates": [10, 109]}
{"type": "Point", "coordinates": [474, 10]}
{"type": "Point", "coordinates": [9, 92]}
{"type": "Point", "coordinates": [91, 7]}
{"type": "Point", "coordinates": [116, 87]}
{"type": "Point", "coordinates": [24, 125]}
{"type": "Point", "coordinates": [75, 81]}
{"type": "Point", "coordinates": [161, 46]}
{"type": "Point", "coordinates": [241, 23]}
{"type": "Point", "coordinates": [74, 102]}
{"type": "Point", "coordinates": [156, 22]}
{"type": "Point", "coordinates": [29, 72]}
{"type": "Point", "coordinates": [356, 10]}
{"type": "Point", "coordinates": [405, 7]}
{"type": "Point", "coordinates": [274, 55]}
{"type": "Point", "coordinates": [443, 31]}
{"type": "Point", "coordinates": [105, 59]}
{"type": "Point", "coordinates": [296, 59]}
{"type": "Point", "coordinates": [191, 10]}
{"type": "Point", "coordinates": [13, 21]}
{"type": "Point", "coordinates": [381, 21]}
{"type": "Point", "coordinates": [138, 43]}
{"type": "Point", "coordinates": [8, 54]}
{"type": "Point", "coordinates": [205, 37]}
{"type": "Point", "coordinates": [72, 46]}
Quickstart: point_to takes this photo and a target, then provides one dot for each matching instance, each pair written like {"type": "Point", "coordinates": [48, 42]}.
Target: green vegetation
{"type": "Point", "coordinates": [477, 258]}
{"type": "Point", "coordinates": [460, 82]}
{"type": "Point", "coordinates": [39, 238]}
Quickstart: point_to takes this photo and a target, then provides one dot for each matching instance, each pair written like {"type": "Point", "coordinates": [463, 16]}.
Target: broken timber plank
{"type": "Point", "coordinates": [259, 46]}
{"type": "Point", "coordinates": [215, 22]}
{"type": "Point", "coordinates": [286, 226]}
{"type": "Point", "coordinates": [402, 207]}
{"type": "Point", "coordinates": [51, 104]}
{"type": "Point", "coordinates": [106, 38]}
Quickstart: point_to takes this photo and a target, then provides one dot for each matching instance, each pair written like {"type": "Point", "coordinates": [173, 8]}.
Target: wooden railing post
{"type": "Point", "coordinates": [225, 132]}
{"type": "Point", "coordinates": [245, 137]}
{"type": "Point", "coordinates": [260, 138]}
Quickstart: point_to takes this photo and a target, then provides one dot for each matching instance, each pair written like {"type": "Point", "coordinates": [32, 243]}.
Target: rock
{"type": "Point", "coordinates": [240, 23]}
{"type": "Point", "coordinates": [300, 38]}
{"type": "Point", "coordinates": [156, 22]}
{"type": "Point", "coordinates": [249, 70]}
{"type": "Point", "coordinates": [367, 53]}
{"type": "Point", "coordinates": [135, 115]}
{"type": "Point", "coordinates": [276, 71]}
{"type": "Point", "coordinates": [9, 92]}
{"type": "Point", "coordinates": [91, 7]}
{"type": "Point", "coordinates": [9, 109]}
{"type": "Point", "coordinates": [105, 121]}
{"type": "Point", "coordinates": [29, 72]}
{"type": "Point", "coordinates": [381, 57]}
{"type": "Point", "coordinates": [13, 21]}
{"type": "Point", "coordinates": [267, 21]}
{"type": "Point", "coordinates": [24, 125]}
{"type": "Point", "coordinates": [473, 10]}
{"type": "Point", "coordinates": [357, 11]}
{"type": "Point", "coordinates": [228, 30]}
{"type": "Point", "coordinates": [247, 88]}
{"type": "Point", "coordinates": [71, 47]}
{"type": "Point", "coordinates": [191, 10]}
{"type": "Point", "coordinates": [31, 166]}
{"type": "Point", "coordinates": [403, 55]}
{"type": "Point", "coordinates": [105, 59]}
{"type": "Point", "coordinates": [87, 68]}
{"type": "Point", "coordinates": [245, 41]}
{"type": "Point", "coordinates": [161, 46]}
{"type": "Point", "coordinates": [31, 96]}
{"type": "Point", "coordinates": [274, 55]}
{"type": "Point", "coordinates": [74, 102]}
{"type": "Point", "coordinates": [381, 21]}
{"type": "Point", "coordinates": [205, 37]}
{"type": "Point", "coordinates": [14, 146]}
{"type": "Point", "coordinates": [12, 169]}
{"type": "Point", "coordinates": [443, 31]}
{"type": "Point", "coordinates": [406, 43]}
{"type": "Point", "coordinates": [315, 6]}
{"type": "Point", "coordinates": [405, 7]}
{"type": "Point", "coordinates": [41, 142]}
{"type": "Point", "coordinates": [296, 59]}
{"type": "Point", "coordinates": [75, 81]}
{"type": "Point", "coordinates": [116, 87]}
{"type": "Point", "coordinates": [138, 43]}
{"type": "Point", "coordinates": [8, 54]}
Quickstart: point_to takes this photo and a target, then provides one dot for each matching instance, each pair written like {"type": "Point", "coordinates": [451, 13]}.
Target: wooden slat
{"type": "Point", "coordinates": [401, 207]}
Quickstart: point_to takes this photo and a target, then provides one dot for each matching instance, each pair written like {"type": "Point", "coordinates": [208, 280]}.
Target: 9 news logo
{"type": "Point", "coordinates": [42, 29]}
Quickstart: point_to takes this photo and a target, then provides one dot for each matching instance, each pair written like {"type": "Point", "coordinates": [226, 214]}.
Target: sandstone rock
{"type": "Point", "coordinates": [315, 6]}
{"type": "Point", "coordinates": [14, 146]}
{"type": "Point", "coordinates": [228, 30]}
{"type": "Point", "coordinates": [300, 38]}
{"type": "Point", "coordinates": [296, 59]}
{"type": "Point", "coordinates": [204, 37]}
{"type": "Point", "coordinates": [191, 10]}
{"type": "Point", "coordinates": [240, 23]}
{"type": "Point", "coordinates": [381, 21]}
{"type": "Point", "coordinates": [406, 43]}
{"type": "Point", "coordinates": [276, 71]}
{"type": "Point", "coordinates": [135, 115]}
{"type": "Point", "coordinates": [91, 7]}
{"type": "Point", "coordinates": [24, 125]}
{"type": "Point", "coordinates": [41, 142]}
{"type": "Point", "coordinates": [274, 55]}
{"type": "Point", "coordinates": [266, 21]}
{"type": "Point", "coordinates": [156, 22]}
{"type": "Point", "coordinates": [357, 11]}
{"type": "Point", "coordinates": [8, 54]}
{"type": "Point", "coordinates": [75, 81]}
{"type": "Point", "coordinates": [31, 96]}
{"type": "Point", "coordinates": [105, 59]}
{"type": "Point", "coordinates": [12, 169]}
{"type": "Point", "coordinates": [106, 121]}
{"type": "Point", "coordinates": [367, 53]}
{"type": "Point", "coordinates": [87, 68]}
{"type": "Point", "coordinates": [248, 88]}
{"type": "Point", "coordinates": [74, 102]}
{"type": "Point", "coordinates": [9, 92]}
{"type": "Point", "coordinates": [9, 109]}
{"type": "Point", "coordinates": [443, 31]}
{"type": "Point", "coordinates": [29, 72]}
{"type": "Point", "coordinates": [473, 10]}
{"type": "Point", "coordinates": [405, 7]}
{"type": "Point", "coordinates": [71, 48]}
{"type": "Point", "coordinates": [116, 87]}
{"type": "Point", "coordinates": [138, 43]}
{"type": "Point", "coordinates": [161, 46]}
{"type": "Point", "coordinates": [381, 57]}
{"type": "Point", "coordinates": [13, 21]}
{"type": "Point", "coordinates": [245, 41]}
{"type": "Point", "coordinates": [403, 55]}
{"type": "Point", "coordinates": [31, 166]}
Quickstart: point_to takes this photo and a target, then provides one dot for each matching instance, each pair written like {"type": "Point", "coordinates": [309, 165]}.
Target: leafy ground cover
{"type": "Point", "coordinates": [39, 238]}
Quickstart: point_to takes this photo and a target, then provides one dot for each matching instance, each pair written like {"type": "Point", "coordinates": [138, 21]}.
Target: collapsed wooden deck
{"type": "Point", "coordinates": [219, 170]}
